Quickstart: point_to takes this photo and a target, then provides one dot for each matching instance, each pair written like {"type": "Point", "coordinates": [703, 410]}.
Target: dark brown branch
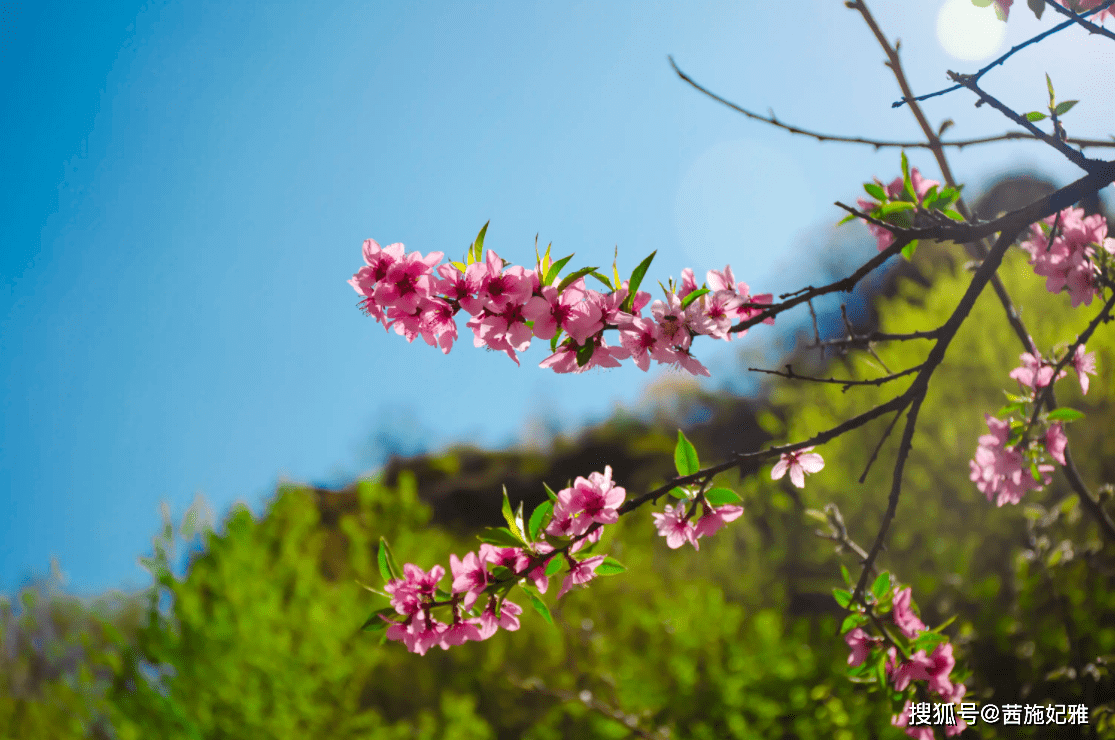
{"type": "Point", "coordinates": [1073, 155]}
{"type": "Point", "coordinates": [837, 381]}
{"type": "Point", "coordinates": [877, 143]}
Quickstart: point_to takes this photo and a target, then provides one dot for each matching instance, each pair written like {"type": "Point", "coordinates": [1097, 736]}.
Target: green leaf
{"type": "Point", "coordinates": [679, 493]}
{"type": "Point", "coordinates": [927, 641]}
{"type": "Point", "coordinates": [896, 206]}
{"type": "Point", "coordinates": [692, 297]}
{"type": "Point", "coordinates": [502, 573]}
{"type": "Point", "coordinates": [610, 567]}
{"type": "Point", "coordinates": [1034, 471]}
{"type": "Point", "coordinates": [514, 523]}
{"type": "Point", "coordinates": [478, 245]}
{"type": "Point", "coordinates": [981, 3]}
{"type": "Point", "coordinates": [881, 668]}
{"type": "Point", "coordinates": [1064, 414]}
{"type": "Point", "coordinates": [853, 620]}
{"type": "Point", "coordinates": [459, 265]}
{"type": "Point", "coordinates": [843, 597]}
{"type": "Point", "coordinates": [944, 624]}
{"type": "Point", "coordinates": [554, 340]}
{"type": "Point", "coordinates": [550, 492]}
{"type": "Point", "coordinates": [553, 566]}
{"type": "Point", "coordinates": [846, 219]}
{"type": "Point", "coordinates": [574, 277]}
{"type": "Point", "coordinates": [388, 567]}
{"type": "Point", "coordinates": [604, 279]}
{"type": "Point", "coordinates": [584, 353]}
{"type": "Point", "coordinates": [881, 586]}
{"type": "Point", "coordinates": [1049, 86]}
{"type": "Point", "coordinates": [374, 623]}
{"type": "Point", "coordinates": [685, 456]}
{"type": "Point", "coordinates": [720, 496]}
{"type": "Point", "coordinates": [955, 215]}
{"type": "Point", "coordinates": [875, 191]}
{"type": "Point", "coordinates": [847, 576]}
{"type": "Point", "coordinates": [539, 605]}
{"type": "Point", "coordinates": [501, 536]}
{"type": "Point", "coordinates": [635, 281]}
{"type": "Point", "coordinates": [1065, 107]}
{"type": "Point", "coordinates": [909, 249]}
{"type": "Point", "coordinates": [538, 519]}
{"type": "Point", "coordinates": [555, 270]}
{"type": "Point", "coordinates": [907, 183]}
{"type": "Point", "coordinates": [1036, 115]}
{"type": "Point", "coordinates": [930, 198]}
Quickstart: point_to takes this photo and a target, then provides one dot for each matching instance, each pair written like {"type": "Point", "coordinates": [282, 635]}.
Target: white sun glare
{"type": "Point", "coordinates": [968, 32]}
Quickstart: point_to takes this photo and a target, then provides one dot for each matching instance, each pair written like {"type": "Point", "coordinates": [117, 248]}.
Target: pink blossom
{"type": "Point", "coordinates": [999, 471]}
{"type": "Point", "coordinates": [1035, 372]}
{"type": "Point", "coordinates": [552, 312]}
{"type": "Point", "coordinates": [903, 614]}
{"type": "Point", "coordinates": [941, 663]}
{"type": "Point", "coordinates": [675, 527]}
{"type": "Point", "coordinates": [798, 462]}
{"type": "Point", "coordinates": [462, 287]}
{"type": "Point", "coordinates": [716, 517]}
{"type": "Point", "coordinates": [643, 338]}
{"type": "Point", "coordinates": [505, 331]}
{"type": "Point", "coordinates": [1067, 262]}
{"type": "Point", "coordinates": [508, 618]}
{"type": "Point", "coordinates": [914, 669]}
{"type": "Point", "coordinates": [685, 360]}
{"type": "Point", "coordinates": [593, 499]}
{"type": "Point", "coordinates": [407, 282]}
{"type": "Point", "coordinates": [419, 633]}
{"type": "Point", "coordinates": [459, 633]}
{"type": "Point", "coordinates": [498, 288]}
{"type": "Point", "coordinates": [469, 577]}
{"type": "Point", "coordinates": [920, 732]}
{"type": "Point", "coordinates": [1055, 442]}
{"type": "Point", "coordinates": [718, 309]}
{"type": "Point", "coordinates": [1084, 365]}
{"type": "Point", "coordinates": [688, 283]}
{"type": "Point", "coordinates": [437, 325]}
{"type": "Point", "coordinates": [512, 558]}
{"type": "Point", "coordinates": [1082, 6]}
{"type": "Point", "coordinates": [860, 643]}
{"type": "Point", "coordinates": [671, 321]}
{"type": "Point", "coordinates": [581, 573]}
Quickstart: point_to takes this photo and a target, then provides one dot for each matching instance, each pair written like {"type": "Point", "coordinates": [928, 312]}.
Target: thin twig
{"type": "Point", "coordinates": [877, 143]}
{"type": "Point", "coordinates": [790, 374]}
{"type": "Point", "coordinates": [1080, 18]}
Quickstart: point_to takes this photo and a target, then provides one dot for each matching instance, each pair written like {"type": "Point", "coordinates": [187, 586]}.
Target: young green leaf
{"type": "Point", "coordinates": [881, 586]}
{"type": "Point", "coordinates": [610, 567]}
{"type": "Point", "coordinates": [843, 597]}
{"type": "Point", "coordinates": [636, 280]}
{"type": "Point", "coordinates": [478, 245]}
{"type": "Point", "coordinates": [1036, 115]}
{"type": "Point", "coordinates": [603, 279]}
{"type": "Point", "coordinates": [1064, 414]}
{"type": "Point", "coordinates": [692, 297]}
{"type": "Point", "coordinates": [720, 496]}
{"type": "Point", "coordinates": [909, 249]}
{"type": "Point", "coordinates": [907, 183]}
{"type": "Point", "coordinates": [388, 567]}
{"type": "Point", "coordinates": [844, 572]}
{"type": "Point", "coordinates": [679, 493]}
{"type": "Point", "coordinates": [853, 620]}
{"type": "Point", "coordinates": [539, 605]}
{"type": "Point", "coordinates": [514, 523]}
{"type": "Point", "coordinates": [538, 518]}
{"type": "Point", "coordinates": [685, 456]}
{"type": "Point", "coordinates": [501, 536]}
{"type": "Point", "coordinates": [875, 191]}
{"type": "Point", "coordinates": [374, 623]}
{"type": "Point", "coordinates": [896, 206]}
{"type": "Point", "coordinates": [555, 270]}
{"type": "Point", "coordinates": [584, 353]}
{"type": "Point", "coordinates": [574, 277]}
{"type": "Point", "coordinates": [1049, 86]}
{"type": "Point", "coordinates": [550, 492]}
{"type": "Point", "coordinates": [553, 566]}
{"type": "Point", "coordinates": [846, 219]}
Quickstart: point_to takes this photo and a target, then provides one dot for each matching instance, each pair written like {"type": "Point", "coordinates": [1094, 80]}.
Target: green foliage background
{"type": "Point", "coordinates": [261, 638]}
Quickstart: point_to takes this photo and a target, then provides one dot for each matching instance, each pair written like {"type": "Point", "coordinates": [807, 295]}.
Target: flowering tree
{"type": "Point", "coordinates": [911, 664]}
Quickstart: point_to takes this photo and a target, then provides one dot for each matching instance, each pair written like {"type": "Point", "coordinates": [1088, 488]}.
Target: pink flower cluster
{"type": "Point", "coordinates": [678, 528]}
{"type": "Point", "coordinates": [578, 514]}
{"type": "Point", "coordinates": [798, 463]}
{"type": "Point", "coordinates": [1069, 263]}
{"type": "Point", "coordinates": [509, 306]}
{"type": "Point", "coordinates": [934, 667]}
{"type": "Point", "coordinates": [1081, 6]}
{"type": "Point", "coordinates": [1007, 471]}
{"type": "Point", "coordinates": [896, 190]}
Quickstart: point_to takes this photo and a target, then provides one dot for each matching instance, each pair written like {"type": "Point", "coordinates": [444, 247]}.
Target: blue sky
{"type": "Point", "coordinates": [186, 186]}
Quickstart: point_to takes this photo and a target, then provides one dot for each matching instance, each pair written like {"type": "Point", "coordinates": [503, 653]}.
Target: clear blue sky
{"type": "Point", "coordinates": [186, 186]}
